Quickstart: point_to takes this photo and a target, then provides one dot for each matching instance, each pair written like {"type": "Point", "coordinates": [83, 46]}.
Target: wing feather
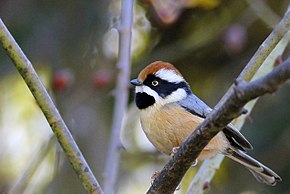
{"type": "Point", "coordinates": [197, 107]}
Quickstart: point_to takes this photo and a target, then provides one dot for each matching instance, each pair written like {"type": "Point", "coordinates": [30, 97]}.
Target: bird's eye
{"type": "Point", "coordinates": [155, 83]}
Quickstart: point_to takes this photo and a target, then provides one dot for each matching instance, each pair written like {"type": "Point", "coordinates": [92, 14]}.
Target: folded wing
{"type": "Point", "coordinates": [197, 107]}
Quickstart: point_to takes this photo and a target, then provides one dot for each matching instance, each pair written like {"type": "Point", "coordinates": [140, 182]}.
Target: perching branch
{"type": "Point", "coordinates": [243, 92]}
{"type": "Point", "coordinates": [49, 110]}
{"type": "Point", "coordinates": [230, 107]}
{"type": "Point", "coordinates": [121, 95]}
{"type": "Point", "coordinates": [263, 52]}
{"type": "Point", "coordinates": [210, 166]}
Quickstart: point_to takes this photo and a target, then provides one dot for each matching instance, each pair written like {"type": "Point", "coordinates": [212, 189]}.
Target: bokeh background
{"type": "Point", "coordinates": [74, 45]}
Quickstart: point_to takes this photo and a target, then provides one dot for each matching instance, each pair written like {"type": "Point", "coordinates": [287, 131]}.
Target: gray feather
{"type": "Point", "coordinates": [261, 172]}
{"type": "Point", "coordinates": [236, 138]}
{"type": "Point", "coordinates": [197, 107]}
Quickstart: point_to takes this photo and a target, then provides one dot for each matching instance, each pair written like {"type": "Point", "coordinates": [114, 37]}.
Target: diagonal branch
{"type": "Point", "coordinates": [208, 168]}
{"type": "Point", "coordinates": [49, 110]}
{"type": "Point", "coordinates": [25, 179]}
{"type": "Point", "coordinates": [263, 52]}
{"type": "Point", "coordinates": [227, 109]}
{"type": "Point", "coordinates": [121, 95]}
{"type": "Point", "coordinates": [242, 93]}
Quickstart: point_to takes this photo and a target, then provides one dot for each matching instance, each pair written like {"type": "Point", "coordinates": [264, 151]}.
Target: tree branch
{"type": "Point", "coordinates": [264, 12]}
{"type": "Point", "coordinates": [49, 110]}
{"type": "Point", "coordinates": [243, 92]}
{"type": "Point", "coordinates": [121, 95]}
{"type": "Point", "coordinates": [226, 110]}
{"type": "Point", "coordinates": [210, 166]}
{"type": "Point", "coordinates": [24, 180]}
{"type": "Point", "coordinates": [263, 52]}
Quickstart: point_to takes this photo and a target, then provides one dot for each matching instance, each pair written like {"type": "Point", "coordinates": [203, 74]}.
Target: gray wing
{"type": "Point", "coordinates": [197, 107]}
{"type": "Point", "coordinates": [236, 139]}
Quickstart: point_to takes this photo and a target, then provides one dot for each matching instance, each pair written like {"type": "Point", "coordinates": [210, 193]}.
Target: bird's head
{"type": "Point", "coordinates": [158, 84]}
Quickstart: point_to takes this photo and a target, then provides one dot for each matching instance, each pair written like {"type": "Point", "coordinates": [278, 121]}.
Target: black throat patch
{"type": "Point", "coordinates": [163, 88]}
{"type": "Point", "coordinates": [144, 100]}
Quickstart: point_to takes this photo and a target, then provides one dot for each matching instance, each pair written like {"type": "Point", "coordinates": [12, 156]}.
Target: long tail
{"type": "Point", "coordinates": [261, 172]}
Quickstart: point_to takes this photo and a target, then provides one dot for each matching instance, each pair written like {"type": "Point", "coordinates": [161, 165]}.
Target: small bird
{"type": "Point", "coordinates": [170, 112]}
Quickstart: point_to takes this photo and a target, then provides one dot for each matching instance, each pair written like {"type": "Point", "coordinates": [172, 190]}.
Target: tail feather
{"type": "Point", "coordinates": [261, 172]}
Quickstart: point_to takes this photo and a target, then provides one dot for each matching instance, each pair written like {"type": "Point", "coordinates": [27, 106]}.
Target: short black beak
{"type": "Point", "coordinates": [136, 82]}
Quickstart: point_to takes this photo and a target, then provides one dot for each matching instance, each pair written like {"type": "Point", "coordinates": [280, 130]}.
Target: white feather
{"type": "Point", "coordinates": [175, 96]}
{"type": "Point", "coordinates": [148, 91]}
{"type": "Point", "coordinates": [169, 75]}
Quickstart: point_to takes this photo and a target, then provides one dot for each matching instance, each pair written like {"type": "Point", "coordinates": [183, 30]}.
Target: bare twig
{"type": "Point", "coordinates": [243, 92]}
{"type": "Point", "coordinates": [266, 48]}
{"type": "Point", "coordinates": [265, 13]}
{"type": "Point", "coordinates": [49, 110]}
{"type": "Point", "coordinates": [209, 167]}
{"type": "Point", "coordinates": [24, 180]}
{"type": "Point", "coordinates": [262, 53]}
{"type": "Point", "coordinates": [228, 108]}
{"type": "Point", "coordinates": [121, 95]}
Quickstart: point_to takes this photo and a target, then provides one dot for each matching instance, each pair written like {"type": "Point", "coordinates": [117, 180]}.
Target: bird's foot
{"type": "Point", "coordinates": [154, 176]}
{"type": "Point", "coordinates": [194, 164]}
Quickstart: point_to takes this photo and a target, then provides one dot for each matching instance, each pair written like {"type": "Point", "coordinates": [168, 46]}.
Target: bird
{"type": "Point", "coordinates": [170, 112]}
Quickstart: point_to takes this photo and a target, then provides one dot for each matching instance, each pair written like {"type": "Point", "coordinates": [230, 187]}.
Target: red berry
{"type": "Point", "coordinates": [102, 78]}
{"type": "Point", "coordinates": [62, 79]}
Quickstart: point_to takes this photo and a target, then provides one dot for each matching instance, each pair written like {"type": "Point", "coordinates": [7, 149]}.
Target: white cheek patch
{"type": "Point", "coordinates": [169, 75]}
{"type": "Point", "coordinates": [148, 91]}
{"type": "Point", "coordinates": [175, 96]}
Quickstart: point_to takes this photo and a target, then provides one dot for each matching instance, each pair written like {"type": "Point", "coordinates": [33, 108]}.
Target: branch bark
{"type": "Point", "coordinates": [243, 92]}
{"type": "Point", "coordinates": [263, 52]}
{"type": "Point", "coordinates": [227, 109]}
{"type": "Point", "coordinates": [49, 110]}
{"type": "Point", "coordinates": [209, 167]}
{"type": "Point", "coordinates": [121, 95]}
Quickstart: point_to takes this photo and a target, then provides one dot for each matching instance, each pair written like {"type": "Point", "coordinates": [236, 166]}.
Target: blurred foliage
{"type": "Point", "coordinates": [73, 45]}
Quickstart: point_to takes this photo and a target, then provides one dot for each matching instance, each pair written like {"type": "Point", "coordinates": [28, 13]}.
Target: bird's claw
{"type": "Point", "coordinates": [174, 151]}
{"type": "Point", "coordinates": [195, 163]}
{"type": "Point", "coordinates": [154, 176]}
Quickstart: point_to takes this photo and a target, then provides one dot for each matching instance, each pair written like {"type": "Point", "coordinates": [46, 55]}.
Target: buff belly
{"type": "Point", "coordinates": [166, 127]}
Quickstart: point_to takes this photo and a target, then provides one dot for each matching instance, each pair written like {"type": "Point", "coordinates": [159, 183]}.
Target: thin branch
{"type": "Point", "coordinates": [270, 83]}
{"type": "Point", "coordinates": [228, 108]}
{"type": "Point", "coordinates": [209, 167]}
{"type": "Point", "coordinates": [243, 92]}
{"type": "Point", "coordinates": [49, 110]}
{"type": "Point", "coordinates": [265, 13]}
{"type": "Point", "coordinates": [262, 53]}
{"type": "Point", "coordinates": [24, 180]}
{"type": "Point", "coordinates": [121, 95]}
